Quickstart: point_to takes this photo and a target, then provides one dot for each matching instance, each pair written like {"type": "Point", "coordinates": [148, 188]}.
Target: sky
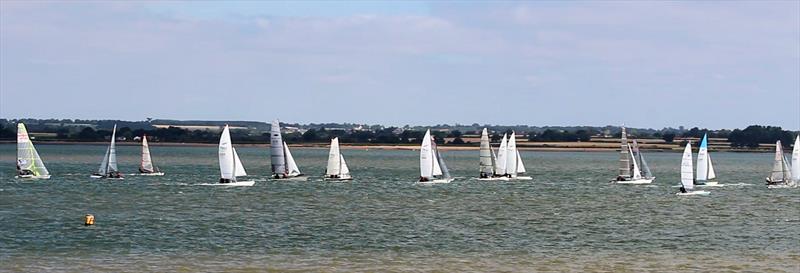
{"type": "Point", "coordinates": [712, 64]}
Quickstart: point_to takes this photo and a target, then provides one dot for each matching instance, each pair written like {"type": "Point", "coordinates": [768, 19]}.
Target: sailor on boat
{"type": "Point", "coordinates": [224, 180]}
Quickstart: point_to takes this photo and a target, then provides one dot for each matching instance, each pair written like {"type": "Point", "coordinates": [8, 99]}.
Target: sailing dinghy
{"type": "Point", "coordinates": [337, 167]}
{"type": "Point", "coordinates": [146, 167]}
{"type": "Point", "coordinates": [632, 166]}
{"type": "Point", "coordinates": [230, 166]}
{"type": "Point", "coordinates": [515, 167]}
{"type": "Point", "coordinates": [705, 168]}
{"type": "Point", "coordinates": [432, 167]}
{"type": "Point", "coordinates": [283, 164]}
{"type": "Point", "coordinates": [29, 164]}
{"type": "Point", "coordinates": [687, 174]}
{"type": "Point", "coordinates": [796, 160]}
{"type": "Point", "coordinates": [108, 168]}
{"type": "Point", "coordinates": [781, 176]}
{"type": "Point", "coordinates": [488, 161]}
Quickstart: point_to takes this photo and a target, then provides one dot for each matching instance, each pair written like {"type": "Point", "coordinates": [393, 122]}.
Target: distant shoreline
{"type": "Point", "coordinates": [526, 146]}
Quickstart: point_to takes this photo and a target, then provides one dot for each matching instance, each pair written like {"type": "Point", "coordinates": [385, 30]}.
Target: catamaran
{"type": "Point", "coordinates": [705, 167]}
{"type": "Point", "coordinates": [283, 164]}
{"type": "Point", "coordinates": [230, 166]}
{"type": "Point", "coordinates": [687, 174]}
{"type": "Point", "coordinates": [633, 168]}
{"type": "Point", "coordinates": [781, 176]}
{"type": "Point", "coordinates": [29, 164]}
{"type": "Point", "coordinates": [108, 168]}
{"type": "Point", "coordinates": [509, 162]}
{"type": "Point", "coordinates": [337, 167]}
{"type": "Point", "coordinates": [147, 167]}
{"type": "Point", "coordinates": [488, 160]}
{"type": "Point", "coordinates": [432, 167]}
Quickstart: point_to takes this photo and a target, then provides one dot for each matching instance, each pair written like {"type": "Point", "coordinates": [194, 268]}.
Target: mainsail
{"type": "Point", "coordinates": [334, 159]}
{"type": "Point", "coordinates": [147, 162]}
{"type": "Point", "coordinates": [486, 161]}
{"type": "Point", "coordinates": [687, 172]}
{"type": "Point", "coordinates": [780, 172]}
{"type": "Point", "coordinates": [511, 155]}
{"type": "Point", "coordinates": [109, 163]}
{"type": "Point", "coordinates": [624, 161]}
{"type": "Point", "coordinates": [705, 171]}
{"type": "Point", "coordinates": [796, 160]}
{"type": "Point", "coordinates": [426, 158]}
{"type": "Point", "coordinates": [639, 157]}
{"type": "Point", "coordinates": [276, 149]}
{"type": "Point", "coordinates": [27, 157]}
{"type": "Point", "coordinates": [502, 156]}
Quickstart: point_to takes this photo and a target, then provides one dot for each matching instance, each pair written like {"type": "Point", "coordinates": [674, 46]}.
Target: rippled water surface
{"type": "Point", "coordinates": [569, 218]}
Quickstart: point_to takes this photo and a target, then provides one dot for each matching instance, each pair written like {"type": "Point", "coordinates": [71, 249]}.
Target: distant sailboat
{"type": "Point", "coordinates": [108, 168]}
{"type": "Point", "coordinates": [488, 160]}
{"type": "Point", "coordinates": [147, 167]}
{"type": "Point", "coordinates": [337, 167]}
{"type": "Point", "coordinates": [515, 168]}
{"type": "Point", "coordinates": [705, 167]}
{"type": "Point", "coordinates": [781, 175]}
{"type": "Point", "coordinates": [633, 168]}
{"type": "Point", "coordinates": [687, 174]}
{"type": "Point", "coordinates": [796, 160]}
{"type": "Point", "coordinates": [230, 166]}
{"type": "Point", "coordinates": [29, 164]}
{"type": "Point", "coordinates": [283, 164]}
{"type": "Point", "coordinates": [432, 167]}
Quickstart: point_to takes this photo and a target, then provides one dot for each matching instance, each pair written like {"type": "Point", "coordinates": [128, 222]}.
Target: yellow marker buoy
{"type": "Point", "coordinates": [88, 220]}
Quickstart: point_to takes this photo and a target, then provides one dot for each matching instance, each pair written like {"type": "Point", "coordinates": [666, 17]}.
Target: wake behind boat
{"type": "Point", "coordinates": [29, 164]}
{"type": "Point", "coordinates": [108, 167]}
{"type": "Point", "coordinates": [283, 165]}
{"type": "Point", "coordinates": [687, 174]}
{"type": "Point", "coordinates": [230, 166]}
{"type": "Point", "coordinates": [633, 168]}
{"type": "Point", "coordinates": [432, 167]}
{"type": "Point", "coordinates": [146, 167]}
{"type": "Point", "coordinates": [337, 169]}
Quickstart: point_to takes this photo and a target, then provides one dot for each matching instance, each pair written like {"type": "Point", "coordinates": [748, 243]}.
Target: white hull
{"type": "Point", "coordinates": [337, 179]}
{"type": "Point", "coordinates": [711, 184]}
{"type": "Point", "coordinates": [437, 181]}
{"type": "Point", "coordinates": [494, 179]}
{"type": "Point", "coordinates": [522, 178]}
{"type": "Point", "coordinates": [32, 177]}
{"type": "Point", "coordinates": [693, 193]}
{"type": "Point", "coordinates": [233, 184]}
{"type": "Point", "coordinates": [781, 186]}
{"type": "Point", "coordinates": [101, 177]}
{"type": "Point", "coordinates": [294, 178]}
{"type": "Point", "coordinates": [152, 174]}
{"type": "Point", "coordinates": [636, 182]}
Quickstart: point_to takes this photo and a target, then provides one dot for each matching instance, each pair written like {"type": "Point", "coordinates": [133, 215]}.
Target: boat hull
{"type": "Point", "coordinates": [693, 193]}
{"type": "Point", "coordinates": [104, 177]}
{"type": "Point", "coordinates": [710, 184]}
{"type": "Point", "coordinates": [341, 179]}
{"type": "Point", "coordinates": [522, 178]}
{"type": "Point", "coordinates": [436, 181]}
{"type": "Point", "coordinates": [494, 179]}
{"type": "Point", "coordinates": [293, 178]}
{"type": "Point", "coordinates": [32, 177]}
{"type": "Point", "coordinates": [233, 184]}
{"type": "Point", "coordinates": [636, 182]}
{"type": "Point", "coordinates": [152, 174]}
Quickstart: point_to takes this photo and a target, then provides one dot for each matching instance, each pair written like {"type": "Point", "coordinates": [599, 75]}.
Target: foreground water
{"type": "Point", "coordinates": [568, 219]}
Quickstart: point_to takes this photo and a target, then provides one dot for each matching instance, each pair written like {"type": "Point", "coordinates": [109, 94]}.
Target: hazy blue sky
{"type": "Point", "coordinates": [645, 64]}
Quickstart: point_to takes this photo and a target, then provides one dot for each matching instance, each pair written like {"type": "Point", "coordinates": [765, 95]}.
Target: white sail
{"type": "Point", "coordinates": [502, 156]}
{"type": "Point", "coordinates": [687, 171]}
{"type": "Point", "coordinates": [437, 168]}
{"type": "Point", "coordinates": [147, 162]}
{"type": "Point", "coordinates": [624, 160]}
{"type": "Point", "coordinates": [511, 155]}
{"type": "Point", "coordinates": [226, 155]}
{"type": "Point", "coordinates": [796, 160]}
{"type": "Point", "coordinates": [109, 163]}
{"type": "Point", "coordinates": [494, 161]}
{"type": "Point", "coordinates": [291, 166]}
{"type": "Point", "coordinates": [711, 173]}
{"type": "Point", "coordinates": [345, 171]}
{"type": "Point", "coordinates": [426, 157]}
{"type": "Point", "coordinates": [237, 164]}
{"type": "Point", "coordinates": [637, 174]}
{"type": "Point", "coordinates": [520, 165]}
{"type": "Point", "coordinates": [486, 161]}
{"type": "Point", "coordinates": [334, 159]}
{"type": "Point", "coordinates": [276, 149]}
{"type": "Point", "coordinates": [778, 172]}
{"type": "Point", "coordinates": [27, 157]}
{"type": "Point", "coordinates": [702, 160]}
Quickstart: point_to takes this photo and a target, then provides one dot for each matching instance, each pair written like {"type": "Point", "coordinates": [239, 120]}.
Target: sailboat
{"type": "Point", "coordinates": [781, 176]}
{"type": "Point", "coordinates": [337, 167]}
{"type": "Point", "coordinates": [687, 174]}
{"type": "Point", "coordinates": [432, 167]}
{"type": "Point", "coordinates": [230, 166]}
{"type": "Point", "coordinates": [146, 167]}
{"type": "Point", "coordinates": [514, 167]}
{"type": "Point", "coordinates": [283, 164]}
{"type": "Point", "coordinates": [108, 168]}
{"type": "Point", "coordinates": [705, 167]}
{"type": "Point", "coordinates": [488, 160]}
{"type": "Point", "coordinates": [29, 164]}
{"type": "Point", "coordinates": [632, 166]}
{"type": "Point", "coordinates": [796, 160]}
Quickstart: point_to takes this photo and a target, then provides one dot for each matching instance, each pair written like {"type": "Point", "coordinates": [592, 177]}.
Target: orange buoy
{"type": "Point", "coordinates": [88, 220]}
